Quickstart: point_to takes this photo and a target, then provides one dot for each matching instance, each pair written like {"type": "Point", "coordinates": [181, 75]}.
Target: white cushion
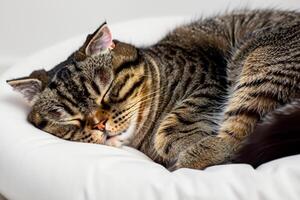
{"type": "Point", "coordinates": [37, 165]}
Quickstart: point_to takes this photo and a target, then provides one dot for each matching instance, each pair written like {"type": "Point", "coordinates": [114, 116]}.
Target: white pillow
{"type": "Point", "coordinates": [37, 165]}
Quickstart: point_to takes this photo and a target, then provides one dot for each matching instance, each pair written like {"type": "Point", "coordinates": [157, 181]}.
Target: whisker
{"type": "Point", "coordinates": [137, 103]}
{"type": "Point", "coordinates": [141, 98]}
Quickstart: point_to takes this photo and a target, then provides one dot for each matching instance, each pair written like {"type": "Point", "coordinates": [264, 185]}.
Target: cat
{"type": "Point", "coordinates": [189, 101]}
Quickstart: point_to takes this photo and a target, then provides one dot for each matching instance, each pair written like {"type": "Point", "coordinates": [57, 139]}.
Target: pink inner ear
{"type": "Point", "coordinates": [100, 42]}
{"type": "Point", "coordinates": [106, 38]}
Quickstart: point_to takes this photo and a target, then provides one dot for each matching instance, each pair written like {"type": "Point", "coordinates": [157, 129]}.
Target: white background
{"type": "Point", "coordinates": [29, 25]}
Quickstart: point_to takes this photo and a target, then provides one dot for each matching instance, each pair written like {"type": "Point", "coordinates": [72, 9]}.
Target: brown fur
{"type": "Point", "coordinates": [189, 100]}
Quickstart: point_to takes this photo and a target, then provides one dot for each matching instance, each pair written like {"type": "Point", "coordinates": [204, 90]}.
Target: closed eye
{"type": "Point", "coordinates": [72, 121]}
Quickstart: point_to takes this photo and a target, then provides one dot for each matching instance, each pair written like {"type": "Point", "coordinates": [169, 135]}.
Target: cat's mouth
{"type": "Point", "coordinates": [116, 140]}
{"type": "Point", "coordinates": [108, 136]}
{"type": "Point", "coordinates": [111, 135]}
{"type": "Point", "coordinates": [101, 126]}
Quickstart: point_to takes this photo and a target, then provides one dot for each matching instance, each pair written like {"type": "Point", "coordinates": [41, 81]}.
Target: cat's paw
{"type": "Point", "coordinates": [210, 151]}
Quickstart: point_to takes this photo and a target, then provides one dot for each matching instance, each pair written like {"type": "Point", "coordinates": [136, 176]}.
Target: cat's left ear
{"type": "Point", "coordinates": [30, 87]}
{"type": "Point", "coordinates": [101, 40]}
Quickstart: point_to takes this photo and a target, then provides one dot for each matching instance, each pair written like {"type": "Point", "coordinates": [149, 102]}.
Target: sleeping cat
{"type": "Point", "coordinates": [190, 100]}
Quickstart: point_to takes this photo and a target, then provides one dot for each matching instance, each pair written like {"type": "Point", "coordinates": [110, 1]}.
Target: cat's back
{"type": "Point", "coordinates": [226, 40]}
{"type": "Point", "coordinates": [229, 30]}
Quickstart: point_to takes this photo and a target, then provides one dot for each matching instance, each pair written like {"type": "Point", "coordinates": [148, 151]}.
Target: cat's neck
{"type": "Point", "coordinates": [150, 96]}
{"type": "Point", "coordinates": [170, 69]}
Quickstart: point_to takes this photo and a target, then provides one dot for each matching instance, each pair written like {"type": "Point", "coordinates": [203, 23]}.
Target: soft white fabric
{"type": "Point", "coordinates": [36, 165]}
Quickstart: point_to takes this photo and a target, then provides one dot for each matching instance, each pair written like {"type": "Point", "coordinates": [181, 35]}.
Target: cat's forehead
{"type": "Point", "coordinates": [82, 67]}
{"type": "Point", "coordinates": [74, 82]}
{"type": "Point", "coordinates": [99, 60]}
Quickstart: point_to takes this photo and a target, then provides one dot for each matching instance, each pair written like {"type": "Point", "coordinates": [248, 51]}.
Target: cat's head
{"type": "Point", "coordinates": [94, 95]}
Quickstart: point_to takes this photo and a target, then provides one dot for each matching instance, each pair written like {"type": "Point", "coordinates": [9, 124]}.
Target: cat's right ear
{"type": "Point", "coordinates": [100, 41]}
{"type": "Point", "coordinates": [30, 87]}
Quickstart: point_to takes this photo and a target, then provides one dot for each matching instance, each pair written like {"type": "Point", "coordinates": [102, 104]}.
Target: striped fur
{"type": "Point", "coordinates": [274, 137]}
{"type": "Point", "coordinates": [189, 100]}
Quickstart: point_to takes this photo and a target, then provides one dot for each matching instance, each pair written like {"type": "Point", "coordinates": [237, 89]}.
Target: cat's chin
{"type": "Point", "coordinates": [115, 141]}
{"type": "Point", "coordinates": [123, 138]}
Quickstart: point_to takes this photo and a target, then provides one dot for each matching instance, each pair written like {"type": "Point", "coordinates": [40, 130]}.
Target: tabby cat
{"type": "Point", "coordinates": [190, 100]}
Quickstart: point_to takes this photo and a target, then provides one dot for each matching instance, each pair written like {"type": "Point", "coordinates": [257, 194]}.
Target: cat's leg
{"type": "Point", "coordinates": [264, 84]}
{"type": "Point", "coordinates": [173, 137]}
{"type": "Point", "coordinates": [177, 133]}
{"type": "Point", "coordinates": [189, 122]}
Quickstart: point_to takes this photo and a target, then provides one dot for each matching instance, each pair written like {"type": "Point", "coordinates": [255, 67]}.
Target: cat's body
{"type": "Point", "coordinates": [188, 101]}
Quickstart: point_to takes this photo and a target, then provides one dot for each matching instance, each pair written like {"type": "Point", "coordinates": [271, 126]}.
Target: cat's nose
{"type": "Point", "coordinates": [101, 125]}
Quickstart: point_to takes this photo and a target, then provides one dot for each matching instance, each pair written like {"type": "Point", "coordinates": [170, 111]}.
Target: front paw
{"type": "Point", "coordinates": [212, 150]}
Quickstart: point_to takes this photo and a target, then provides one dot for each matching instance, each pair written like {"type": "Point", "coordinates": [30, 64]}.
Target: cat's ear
{"type": "Point", "coordinates": [30, 87]}
{"type": "Point", "coordinates": [100, 41]}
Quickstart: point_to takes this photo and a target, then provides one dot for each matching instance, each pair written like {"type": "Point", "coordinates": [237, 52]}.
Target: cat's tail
{"type": "Point", "coordinates": [278, 135]}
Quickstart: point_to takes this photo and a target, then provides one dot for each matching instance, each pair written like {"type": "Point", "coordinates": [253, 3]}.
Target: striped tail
{"type": "Point", "coordinates": [278, 135]}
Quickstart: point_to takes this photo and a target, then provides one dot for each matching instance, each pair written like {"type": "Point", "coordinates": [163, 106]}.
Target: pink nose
{"type": "Point", "coordinates": [101, 125]}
